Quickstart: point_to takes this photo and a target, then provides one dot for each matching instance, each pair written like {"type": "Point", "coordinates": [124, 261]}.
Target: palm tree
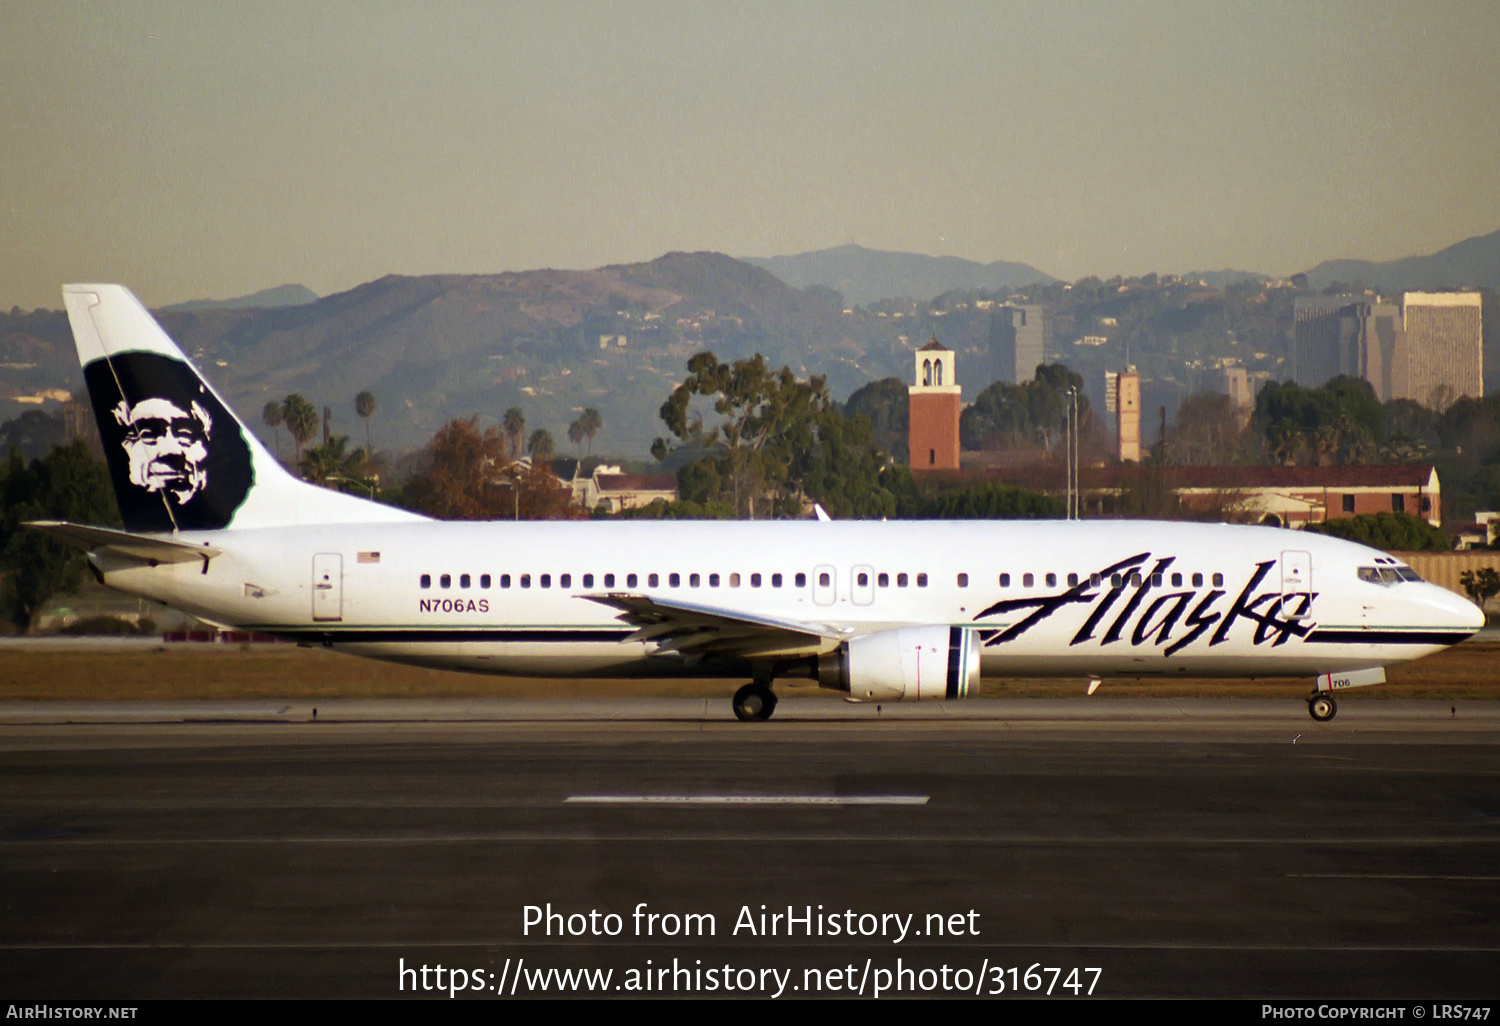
{"type": "Point", "coordinates": [541, 446]}
{"type": "Point", "coordinates": [301, 419]}
{"type": "Point", "coordinates": [591, 422]}
{"type": "Point", "coordinates": [575, 432]}
{"type": "Point", "coordinates": [333, 466]}
{"type": "Point", "coordinates": [515, 429]}
{"type": "Point", "coordinates": [364, 405]}
{"type": "Point", "coordinates": [274, 415]}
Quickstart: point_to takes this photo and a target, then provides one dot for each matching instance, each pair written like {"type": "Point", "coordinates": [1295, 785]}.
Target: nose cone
{"type": "Point", "coordinates": [1453, 611]}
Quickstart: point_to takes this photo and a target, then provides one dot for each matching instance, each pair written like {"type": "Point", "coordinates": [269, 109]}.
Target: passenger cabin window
{"type": "Point", "coordinates": [1005, 580]}
{"type": "Point", "coordinates": [694, 580]}
{"type": "Point", "coordinates": [609, 580]}
{"type": "Point", "coordinates": [1156, 580]}
{"type": "Point", "coordinates": [862, 579]}
{"type": "Point", "coordinates": [921, 580]}
{"type": "Point", "coordinates": [1116, 581]}
{"type": "Point", "coordinates": [1027, 580]}
{"type": "Point", "coordinates": [824, 580]}
{"type": "Point", "coordinates": [882, 580]}
{"type": "Point", "coordinates": [426, 580]}
{"type": "Point", "coordinates": [755, 580]}
{"type": "Point", "coordinates": [1197, 580]}
{"type": "Point", "coordinates": [1072, 580]}
{"type": "Point", "coordinates": [1135, 579]}
{"type": "Point", "coordinates": [1176, 580]}
{"type": "Point", "coordinates": [900, 580]}
{"type": "Point", "coordinates": [653, 580]}
{"type": "Point", "coordinates": [801, 580]}
{"type": "Point", "coordinates": [565, 581]}
{"type": "Point", "coordinates": [1218, 580]}
{"type": "Point", "coordinates": [1051, 580]}
{"type": "Point", "coordinates": [505, 580]}
{"type": "Point", "coordinates": [588, 580]}
{"type": "Point", "coordinates": [734, 580]}
{"type": "Point", "coordinates": [713, 580]}
{"type": "Point", "coordinates": [775, 580]}
{"type": "Point", "coordinates": [675, 580]}
{"type": "Point", "coordinates": [463, 580]}
{"type": "Point", "coordinates": [525, 580]}
{"type": "Point", "coordinates": [484, 580]}
{"type": "Point", "coordinates": [963, 580]}
{"type": "Point", "coordinates": [445, 581]}
{"type": "Point", "coordinates": [546, 580]}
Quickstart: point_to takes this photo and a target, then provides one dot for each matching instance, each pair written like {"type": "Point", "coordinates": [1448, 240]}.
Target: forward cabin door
{"type": "Point", "coordinates": [1296, 583]}
{"type": "Point", "coordinates": [328, 586]}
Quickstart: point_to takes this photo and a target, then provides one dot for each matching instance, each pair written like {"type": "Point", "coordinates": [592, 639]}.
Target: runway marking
{"type": "Point", "coordinates": [745, 799]}
{"type": "Point", "coordinates": [1388, 876]}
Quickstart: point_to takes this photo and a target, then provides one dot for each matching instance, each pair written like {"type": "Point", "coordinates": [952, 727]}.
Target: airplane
{"type": "Point", "coordinates": [880, 611]}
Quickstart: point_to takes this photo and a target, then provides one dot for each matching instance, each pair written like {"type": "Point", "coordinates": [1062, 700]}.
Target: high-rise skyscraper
{"type": "Point", "coordinates": [1324, 343]}
{"type": "Point", "coordinates": [1016, 335]}
{"type": "Point", "coordinates": [1445, 346]}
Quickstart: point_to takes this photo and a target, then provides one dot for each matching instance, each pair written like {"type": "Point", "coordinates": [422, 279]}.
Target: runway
{"type": "Point", "coordinates": [1159, 847]}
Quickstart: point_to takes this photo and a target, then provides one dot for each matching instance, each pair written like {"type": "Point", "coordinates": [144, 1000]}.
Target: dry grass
{"type": "Point", "coordinates": [196, 671]}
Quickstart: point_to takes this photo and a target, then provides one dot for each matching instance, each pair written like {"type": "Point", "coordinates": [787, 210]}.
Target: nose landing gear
{"type": "Point", "coordinates": [1322, 708]}
{"type": "Point", "coordinates": [755, 701]}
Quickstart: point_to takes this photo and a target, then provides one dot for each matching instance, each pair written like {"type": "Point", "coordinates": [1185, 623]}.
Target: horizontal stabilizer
{"type": "Point", "coordinates": [146, 548]}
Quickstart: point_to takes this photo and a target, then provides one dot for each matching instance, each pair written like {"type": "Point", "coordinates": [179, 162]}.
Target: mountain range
{"type": "Point", "coordinates": [863, 276]}
{"type": "Point", "coordinates": [1473, 263]}
{"type": "Point", "coordinates": [616, 338]}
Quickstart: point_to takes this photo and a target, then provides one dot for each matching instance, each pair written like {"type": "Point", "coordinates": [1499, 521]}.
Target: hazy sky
{"type": "Point", "coordinates": [208, 150]}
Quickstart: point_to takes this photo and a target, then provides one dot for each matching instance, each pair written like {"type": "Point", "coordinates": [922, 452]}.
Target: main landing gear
{"type": "Point", "coordinates": [755, 701]}
{"type": "Point", "coordinates": [1322, 708]}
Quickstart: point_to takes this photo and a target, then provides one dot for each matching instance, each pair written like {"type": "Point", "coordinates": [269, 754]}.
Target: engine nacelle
{"type": "Point", "coordinates": [909, 664]}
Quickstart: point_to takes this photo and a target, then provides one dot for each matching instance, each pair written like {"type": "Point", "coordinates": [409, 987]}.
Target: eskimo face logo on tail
{"type": "Point", "coordinates": [177, 458]}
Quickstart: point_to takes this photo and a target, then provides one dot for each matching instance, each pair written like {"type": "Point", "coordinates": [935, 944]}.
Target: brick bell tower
{"type": "Point", "coordinates": [935, 402]}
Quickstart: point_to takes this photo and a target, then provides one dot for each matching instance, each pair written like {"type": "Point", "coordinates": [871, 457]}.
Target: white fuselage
{"type": "Point", "coordinates": [1169, 599]}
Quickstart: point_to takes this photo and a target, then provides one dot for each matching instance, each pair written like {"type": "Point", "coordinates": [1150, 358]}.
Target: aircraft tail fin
{"type": "Point", "coordinates": [178, 456]}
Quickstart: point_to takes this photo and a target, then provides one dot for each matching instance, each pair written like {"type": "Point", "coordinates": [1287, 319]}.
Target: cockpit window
{"type": "Point", "coordinates": [1387, 575]}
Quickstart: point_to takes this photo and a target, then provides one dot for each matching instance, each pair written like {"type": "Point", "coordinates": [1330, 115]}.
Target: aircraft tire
{"type": "Point", "coordinates": [1322, 708]}
{"type": "Point", "coordinates": [754, 702]}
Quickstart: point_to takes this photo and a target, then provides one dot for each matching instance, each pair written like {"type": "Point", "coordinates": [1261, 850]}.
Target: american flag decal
{"type": "Point", "coordinates": [368, 557]}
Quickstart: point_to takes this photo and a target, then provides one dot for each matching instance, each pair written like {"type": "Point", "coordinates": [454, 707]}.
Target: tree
{"type": "Point", "coordinates": [541, 447]}
{"type": "Point", "coordinates": [590, 423]}
{"type": "Point", "coordinates": [274, 414]}
{"type": "Point", "coordinates": [333, 466]}
{"type": "Point", "coordinates": [515, 429]}
{"type": "Point", "coordinates": [1209, 432]}
{"type": "Point", "coordinates": [467, 474]}
{"type": "Point", "coordinates": [301, 419]}
{"type": "Point", "coordinates": [1394, 532]}
{"type": "Point", "coordinates": [887, 404]}
{"type": "Point", "coordinates": [1033, 413]}
{"type": "Point", "coordinates": [69, 483]}
{"type": "Point", "coordinates": [1482, 585]}
{"type": "Point", "coordinates": [986, 500]}
{"type": "Point", "coordinates": [364, 405]}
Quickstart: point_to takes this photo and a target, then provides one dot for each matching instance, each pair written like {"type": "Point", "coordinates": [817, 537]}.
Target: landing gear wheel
{"type": "Point", "coordinates": [1322, 708]}
{"type": "Point", "coordinates": [754, 702]}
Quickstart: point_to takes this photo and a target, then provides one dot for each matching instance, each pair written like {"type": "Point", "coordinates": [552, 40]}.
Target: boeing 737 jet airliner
{"type": "Point", "coordinates": [913, 611]}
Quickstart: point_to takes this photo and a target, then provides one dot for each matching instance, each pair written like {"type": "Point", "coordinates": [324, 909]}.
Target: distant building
{"type": "Point", "coordinates": [1445, 343]}
{"type": "Point", "coordinates": [935, 402]}
{"type": "Point", "coordinates": [1383, 352]}
{"type": "Point", "coordinates": [1324, 343]}
{"type": "Point", "coordinates": [607, 486]}
{"type": "Point", "coordinates": [1233, 381]}
{"type": "Point", "coordinates": [1015, 343]}
{"type": "Point", "coordinates": [1127, 414]}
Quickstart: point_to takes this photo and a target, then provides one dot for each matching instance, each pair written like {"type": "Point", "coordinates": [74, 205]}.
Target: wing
{"type": "Point", "coordinates": [696, 630]}
{"type": "Point", "coordinates": [142, 547]}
